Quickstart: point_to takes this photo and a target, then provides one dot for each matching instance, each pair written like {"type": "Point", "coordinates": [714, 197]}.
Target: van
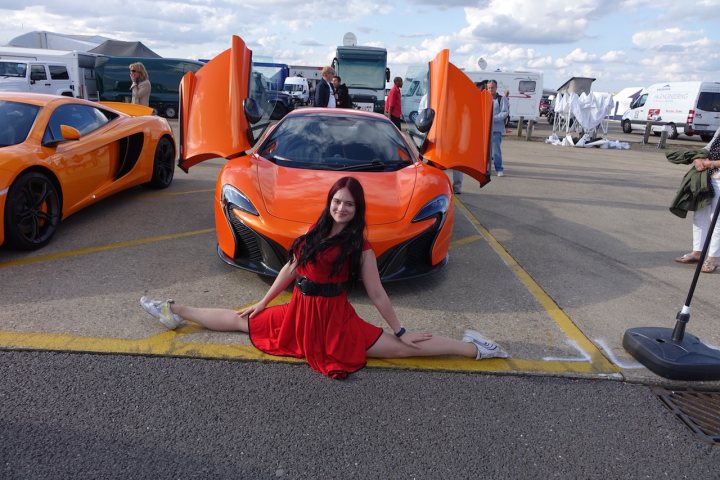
{"type": "Point", "coordinates": [412, 92]}
{"type": "Point", "coordinates": [113, 80]}
{"type": "Point", "coordinates": [691, 108]}
{"type": "Point", "coordinates": [298, 88]}
{"type": "Point", "coordinates": [526, 90]}
{"type": "Point", "coordinates": [57, 72]}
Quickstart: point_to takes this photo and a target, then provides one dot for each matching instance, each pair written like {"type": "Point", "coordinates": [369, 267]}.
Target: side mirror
{"type": "Point", "coordinates": [387, 74]}
{"type": "Point", "coordinates": [252, 111]}
{"type": "Point", "coordinates": [424, 120]}
{"type": "Point", "coordinates": [69, 133]}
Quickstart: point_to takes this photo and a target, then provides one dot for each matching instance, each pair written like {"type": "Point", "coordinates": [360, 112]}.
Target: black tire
{"type": "Point", "coordinates": [170, 111]}
{"type": "Point", "coordinates": [32, 211]}
{"type": "Point", "coordinates": [163, 164]}
{"type": "Point", "coordinates": [626, 126]}
{"type": "Point", "coordinates": [706, 138]}
{"type": "Point", "coordinates": [673, 134]}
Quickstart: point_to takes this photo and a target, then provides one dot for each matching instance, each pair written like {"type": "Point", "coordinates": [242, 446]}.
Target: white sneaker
{"type": "Point", "coordinates": [500, 174]}
{"type": "Point", "coordinates": [160, 309]}
{"type": "Point", "coordinates": [485, 348]}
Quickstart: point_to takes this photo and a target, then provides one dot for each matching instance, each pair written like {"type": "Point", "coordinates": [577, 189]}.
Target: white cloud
{"type": "Point", "coordinates": [654, 39]}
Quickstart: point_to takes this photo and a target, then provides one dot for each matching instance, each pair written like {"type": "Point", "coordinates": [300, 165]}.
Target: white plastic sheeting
{"type": "Point", "coordinates": [584, 113]}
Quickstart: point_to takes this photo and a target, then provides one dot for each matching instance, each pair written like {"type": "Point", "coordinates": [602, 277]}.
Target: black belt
{"type": "Point", "coordinates": [308, 287]}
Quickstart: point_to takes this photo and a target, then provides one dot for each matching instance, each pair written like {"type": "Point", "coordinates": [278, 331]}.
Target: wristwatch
{"type": "Point", "coordinates": [400, 332]}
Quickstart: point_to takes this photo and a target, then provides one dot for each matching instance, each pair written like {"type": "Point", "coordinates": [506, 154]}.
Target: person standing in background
{"type": "Point", "coordinates": [324, 92]}
{"type": "Point", "coordinates": [342, 96]}
{"type": "Point", "coordinates": [702, 217]}
{"type": "Point", "coordinates": [393, 105]}
{"type": "Point", "coordinates": [501, 110]}
{"type": "Point", "coordinates": [140, 86]}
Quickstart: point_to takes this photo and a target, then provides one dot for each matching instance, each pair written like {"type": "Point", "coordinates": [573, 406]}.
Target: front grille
{"type": "Point", "coordinates": [253, 251]}
{"type": "Point", "coordinates": [246, 245]}
{"type": "Point", "coordinates": [410, 259]}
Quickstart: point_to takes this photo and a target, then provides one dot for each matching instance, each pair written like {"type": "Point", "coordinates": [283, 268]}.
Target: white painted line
{"type": "Point", "coordinates": [614, 359]}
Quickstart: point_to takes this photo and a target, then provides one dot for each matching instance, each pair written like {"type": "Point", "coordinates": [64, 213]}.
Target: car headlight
{"type": "Point", "coordinates": [236, 199]}
{"type": "Point", "coordinates": [438, 206]}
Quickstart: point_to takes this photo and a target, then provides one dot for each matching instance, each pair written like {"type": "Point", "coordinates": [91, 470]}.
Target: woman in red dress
{"type": "Point", "coordinates": [319, 324]}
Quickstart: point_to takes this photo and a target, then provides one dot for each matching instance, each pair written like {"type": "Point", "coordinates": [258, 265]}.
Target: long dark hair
{"type": "Point", "coordinates": [350, 239]}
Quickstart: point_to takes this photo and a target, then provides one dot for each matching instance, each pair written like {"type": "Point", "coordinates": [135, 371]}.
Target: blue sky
{"type": "Point", "coordinates": [621, 43]}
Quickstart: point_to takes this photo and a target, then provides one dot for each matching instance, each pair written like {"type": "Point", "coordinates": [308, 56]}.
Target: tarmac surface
{"type": "Point", "coordinates": [554, 261]}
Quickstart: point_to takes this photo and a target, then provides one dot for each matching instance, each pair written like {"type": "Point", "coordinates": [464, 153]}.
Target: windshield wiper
{"type": "Point", "coordinates": [362, 166]}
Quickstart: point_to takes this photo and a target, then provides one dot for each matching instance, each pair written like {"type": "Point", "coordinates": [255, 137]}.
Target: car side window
{"type": "Point", "coordinates": [84, 118]}
{"type": "Point", "coordinates": [58, 72]}
{"type": "Point", "coordinates": [37, 72]}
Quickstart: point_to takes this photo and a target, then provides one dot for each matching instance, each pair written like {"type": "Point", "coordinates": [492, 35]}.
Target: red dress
{"type": "Point", "coordinates": [326, 331]}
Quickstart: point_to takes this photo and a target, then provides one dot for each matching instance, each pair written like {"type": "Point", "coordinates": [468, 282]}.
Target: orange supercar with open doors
{"type": "Point", "coordinates": [275, 183]}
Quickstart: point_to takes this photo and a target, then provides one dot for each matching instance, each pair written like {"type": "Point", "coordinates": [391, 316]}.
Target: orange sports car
{"type": "Point", "coordinates": [60, 154]}
{"type": "Point", "coordinates": [274, 185]}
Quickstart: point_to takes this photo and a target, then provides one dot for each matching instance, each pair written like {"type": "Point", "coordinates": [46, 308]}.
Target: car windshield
{"type": "Point", "coordinates": [333, 142]}
{"type": "Point", "coordinates": [13, 69]}
{"type": "Point", "coordinates": [16, 120]}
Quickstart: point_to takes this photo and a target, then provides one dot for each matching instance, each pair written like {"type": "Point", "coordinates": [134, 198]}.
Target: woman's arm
{"type": "Point", "coordinates": [282, 281]}
{"type": "Point", "coordinates": [377, 294]}
{"type": "Point", "coordinates": [375, 290]}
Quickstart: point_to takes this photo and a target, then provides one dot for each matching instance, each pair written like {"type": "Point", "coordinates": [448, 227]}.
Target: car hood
{"type": "Point", "coordinates": [387, 194]}
{"type": "Point", "coordinates": [7, 85]}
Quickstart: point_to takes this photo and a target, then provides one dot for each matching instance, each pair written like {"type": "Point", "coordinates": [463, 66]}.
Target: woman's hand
{"type": "Point", "coordinates": [252, 310]}
{"type": "Point", "coordinates": [701, 164]}
{"type": "Point", "coordinates": [412, 338]}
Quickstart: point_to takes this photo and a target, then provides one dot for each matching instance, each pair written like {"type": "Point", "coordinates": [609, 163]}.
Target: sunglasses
{"type": "Point", "coordinates": [133, 71]}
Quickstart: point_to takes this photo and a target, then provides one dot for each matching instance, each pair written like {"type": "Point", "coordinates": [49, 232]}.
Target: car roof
{"type": "Point", "coordinates": [338, 112]}
{"type": "Point", "coordinates": [44, 99]}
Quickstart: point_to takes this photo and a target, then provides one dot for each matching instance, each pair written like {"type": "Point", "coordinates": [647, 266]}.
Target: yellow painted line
{"type": "Point", "coordinates": [600, 363]}
{"type": "Point", "coordinates": [170, 344]}
{"type": "Point", "coordinates": [101, 248]}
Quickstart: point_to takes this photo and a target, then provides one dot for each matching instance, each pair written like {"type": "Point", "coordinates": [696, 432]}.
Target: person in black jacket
{"type": "Point", "coordinates": [342, 96]}
{"type": "Point", "coordinates": [324, 94]}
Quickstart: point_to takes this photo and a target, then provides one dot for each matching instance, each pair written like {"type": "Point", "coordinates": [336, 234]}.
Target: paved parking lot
{"type": "Point", "coordinates": [554, 261]}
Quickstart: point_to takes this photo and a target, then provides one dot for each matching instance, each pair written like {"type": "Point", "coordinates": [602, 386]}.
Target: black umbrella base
{"type": "Point", "coordinates": [688, 359]}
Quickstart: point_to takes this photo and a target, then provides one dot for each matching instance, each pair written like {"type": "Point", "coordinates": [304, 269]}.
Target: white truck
{"type": "Point", "coordinates": [526, 90]}
{"type": "Point", "coordinates": [58, 72]}
{"type": "Point", "coordinates": [692, 108]}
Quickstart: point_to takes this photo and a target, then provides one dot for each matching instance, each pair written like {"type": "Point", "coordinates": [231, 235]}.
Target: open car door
{"type": "Point", "coordinates": [223, 107]}
{"type": "Point", "coordinates": [460, 135]}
